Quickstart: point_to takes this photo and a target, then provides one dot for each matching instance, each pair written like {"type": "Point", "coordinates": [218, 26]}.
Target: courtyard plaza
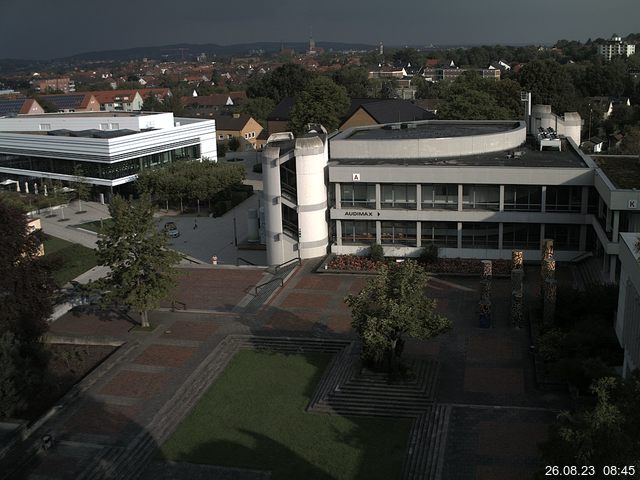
{"type": "Point", "coordinates": [496, 416]}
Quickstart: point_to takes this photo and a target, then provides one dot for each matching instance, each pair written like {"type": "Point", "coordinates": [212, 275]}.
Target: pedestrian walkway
{"type": "Point", "coordinates": [484, 404]}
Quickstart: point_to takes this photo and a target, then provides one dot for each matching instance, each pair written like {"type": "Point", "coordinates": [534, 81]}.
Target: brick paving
{"type": "Point", "coordinates": [479, 367]}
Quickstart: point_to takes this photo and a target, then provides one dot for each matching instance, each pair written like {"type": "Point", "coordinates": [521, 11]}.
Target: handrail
{"type": "Point", "coordinates": [282, 265]}
{"type": "Point", "coordinates": [278, 279]}
{"type": "Point", "coordinates": [244, 260]}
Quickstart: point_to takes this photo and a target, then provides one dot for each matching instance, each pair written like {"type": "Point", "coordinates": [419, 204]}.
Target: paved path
{"type": "Point", "coordinates": [497, 415]}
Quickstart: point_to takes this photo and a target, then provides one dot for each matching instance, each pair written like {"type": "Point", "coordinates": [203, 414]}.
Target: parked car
{"type": "Point", "coordinates": [172, 229]}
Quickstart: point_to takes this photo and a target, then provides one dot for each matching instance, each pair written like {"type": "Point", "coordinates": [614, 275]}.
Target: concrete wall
{"type": "Point", "coordinates": [628, 316]}
{"type": "Point", "coordinates": [343, 146]}
{"type": "Point", "coordinates": [85, 121]}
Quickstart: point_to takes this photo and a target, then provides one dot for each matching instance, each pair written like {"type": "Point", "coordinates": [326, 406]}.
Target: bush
{"type": "Point", "coordinates": [429, 254]}
{"type": "Point", "coordinates": [376, 252]}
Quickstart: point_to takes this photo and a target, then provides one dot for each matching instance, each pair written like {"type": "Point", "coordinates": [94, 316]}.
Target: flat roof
{"type": "Point", "coordinates": [525, 155]}
{"type": "Point", "coordinates": [91, 114]}
{"type": "Point", "coordinates": [623, 171]}
{"type": "Point", "coordinates": [428, 129]}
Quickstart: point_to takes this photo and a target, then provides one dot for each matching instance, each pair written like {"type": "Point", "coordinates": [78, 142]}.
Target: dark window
{"type": "Point", "coordinates": [480, 235]}
{"type": "Point", "coordinates": [399, 195]}
{"type": "Point", "coordinates": [565, 237]}
{"type": "Point", "coordinates": [444, 197]}
{"type": "Point", "coordinates": [440, 234]}
{"type": "Point", "coordinates": [481, 197]}
{"type": "Point", "coordinates": [358, 195]}
{"type": "Point", "coordinates": [403, 233]}
{"type": "Point", "coordinates": [523, 198]}
{"type": "Point", "coordinates": [358, 232]}
{"type": "Point", "coordinates": [521, 235]}
{"type": "Point", "coordinates": [562, 198]}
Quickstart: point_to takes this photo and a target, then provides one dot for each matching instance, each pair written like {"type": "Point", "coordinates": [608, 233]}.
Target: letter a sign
{"type": "Point", "coordinates": [356, 177]}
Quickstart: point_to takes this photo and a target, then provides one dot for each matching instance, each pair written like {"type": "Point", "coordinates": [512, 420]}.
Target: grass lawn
{"type": "Point", "coordinates": [95, 226]}
{"type": "Point", "coordinates": [67, 259]}
{"type": "Point", "coordinates": [253, 417]}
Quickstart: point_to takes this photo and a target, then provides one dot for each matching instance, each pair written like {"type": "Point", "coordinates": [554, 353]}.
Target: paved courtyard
{"type": "Point", "coordinates": [486, 376]}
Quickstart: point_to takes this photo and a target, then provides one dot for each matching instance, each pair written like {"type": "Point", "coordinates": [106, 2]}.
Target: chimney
{"type": "Point", "coordinates": [236, 115]}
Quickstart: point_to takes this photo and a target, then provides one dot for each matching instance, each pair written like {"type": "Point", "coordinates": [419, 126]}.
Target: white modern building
{"type": "Point", "coordinates": [628, 315]}
{"type": "Point", "coordinates": [616, 47]}
{"type": "Point", "coordinates": [110, 148]}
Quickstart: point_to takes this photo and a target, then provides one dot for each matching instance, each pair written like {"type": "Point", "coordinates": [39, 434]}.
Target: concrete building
{"type": "Point", "coordinates": [65, 85]}
{"type": "Point", "coordinates": [628, 313]}
{"type": "Point", "coordinates": [110, 148]}
{"type": "Point", "coordinates": [616, 47]}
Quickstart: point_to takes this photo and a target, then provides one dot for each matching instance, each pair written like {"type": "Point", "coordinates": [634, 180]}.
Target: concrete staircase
{"type": "Point", "coordinates": [427, 442]}
{"type": "Point", "coordinates": [268, 287]}
{"type": "Point", "coordinates": [589, 272]}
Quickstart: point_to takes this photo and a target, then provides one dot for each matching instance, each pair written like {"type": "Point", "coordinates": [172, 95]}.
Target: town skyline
{"type": "Point", "coordinates": [63, 30]}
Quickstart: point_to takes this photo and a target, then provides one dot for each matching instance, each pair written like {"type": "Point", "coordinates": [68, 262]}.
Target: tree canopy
{"type": "Point", "coordinates": [189, 180]}
{"type": "Point", "coordinates": [141, 266]}
{"type": "Point", "coordinates": [323, 102]}
{"type": "Point", "coordinates": [603, 435]}
{"type": "Point", "coordinates": [550, 84]}
{"type": "Point", "coordinates": [26, 298]}
{"type": "Point", "coordinates": [393, 305]}
{"type": "Point", "coordinates": [285, 81]}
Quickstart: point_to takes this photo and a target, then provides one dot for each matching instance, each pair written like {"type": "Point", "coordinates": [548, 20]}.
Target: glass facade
{"type": "Point", "coordinates": [289, 221]}
{"type": "Point", "coordinates": [481, 197]}
{"type": "Point", "coordinates": [288, 180]}
{"type": "Point", "coordinates": [402, 233]}
{"type": "Point", "coordinates": [565, 237]}
{"type": "Point", "coordinates": [108, 171]}
{"type": "Point", "coordinates": [440, 234]}
{"type": "Point", "coordinates": [443, 197]}
{"type": "Point", "coordinates": [358, 232]}
{"type": "Point", "coordinates": [521, 235]}
{"type": "Point", "coordinates": [399, 195]}
{"type": "Point", "coordinates": [356, 195]}
{"type": "Point", "coordinates": [480, 235]}
{"type": "Point", "coordinates": [563, 199]}
{"type": "Point", "coordinates": [523, 198]}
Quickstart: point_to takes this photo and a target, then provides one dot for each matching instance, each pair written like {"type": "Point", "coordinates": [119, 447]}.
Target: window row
{"type": "Point", "coordinates": [474, 235]}
{"type": "Point", "coordinates": [110, 171]}
{"type": "Point", "coordinates": [518, 198]}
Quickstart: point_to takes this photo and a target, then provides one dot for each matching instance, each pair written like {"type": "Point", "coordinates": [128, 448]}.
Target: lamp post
{"type": "Point", "coordinates": [590, 110]}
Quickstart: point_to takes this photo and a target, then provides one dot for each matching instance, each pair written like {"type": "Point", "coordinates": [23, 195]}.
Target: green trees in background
{"type": "Point", "coordinates": [323, 102]}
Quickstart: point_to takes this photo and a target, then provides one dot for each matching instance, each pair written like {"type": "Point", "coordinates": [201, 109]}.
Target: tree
{"type": "Point", "coordinates": [141, 264]}
{"type": "Point", "coordinates": [549, 83]}
{"type": "Point", "coordinates": [321, 102]}
{"type": "Point", "coordinates": [603, 435]}
{"type": "Point", "coordinates": [81, 185]}
{"type": "Point", "coordinates": [285, 81]}
{"type": "Point", "coordinates": [354, 79]}
{"type": "Point", "coordinates": [26, 298]}
{"type": "Point", "coordinates": [234, 144]}
{"type": "Point", "coordinates": [393, 305]}
{"type": "Point", "coordinates": [259, 108]}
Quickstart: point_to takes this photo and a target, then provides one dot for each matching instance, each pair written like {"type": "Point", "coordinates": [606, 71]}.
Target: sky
{"type": "Point", "coordinates": [43, 29]}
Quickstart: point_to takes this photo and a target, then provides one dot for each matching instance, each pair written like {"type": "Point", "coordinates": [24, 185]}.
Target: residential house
{"type": "Point", "coordinates": [242, 127]}
{"type": "Point", "coordinates": [65, 85]}
{"type": "Point", "coordinates": [19, 106]}
{"type": "Point", "coordinates": [367, 111]}
{"type": "Point", "coordinates": [73, 102]}
{"type": "Point", "coordinates": [119, 100]}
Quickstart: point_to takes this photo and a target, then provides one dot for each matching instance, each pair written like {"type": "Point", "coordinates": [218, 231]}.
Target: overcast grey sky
{"type": "Point", "coordinates": [46, 28]}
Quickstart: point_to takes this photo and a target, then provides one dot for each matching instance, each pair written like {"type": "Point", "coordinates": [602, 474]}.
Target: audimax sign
{"type": "Point", "coordinates": [360, 213]}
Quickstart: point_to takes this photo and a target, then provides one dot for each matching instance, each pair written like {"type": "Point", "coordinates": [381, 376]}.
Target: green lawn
{"type": "Point", "coordinates": [253, 417]}
{"type": "Point", "coordinates": [95, 226]}
{"type": "Point", "coordinates": [67, 259]}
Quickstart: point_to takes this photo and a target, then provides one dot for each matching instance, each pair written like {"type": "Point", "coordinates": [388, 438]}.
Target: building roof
{"type": "Point", "coordinates": [208, 101]}
{"type": "Point", "coordinates": [623, 171]}
{"type": "Point", "coordinates": [70, 101]}
{"type": "Point", "coordinates": [230, 122]}
{"type": "Point", "coordinates": [282, 110]}
{"type": "Point", "coordinates": [15, 106]}
{"type": "Point", "coordinates": [112, 96]}
{"type": "Point", "coordinates": [393, 110]}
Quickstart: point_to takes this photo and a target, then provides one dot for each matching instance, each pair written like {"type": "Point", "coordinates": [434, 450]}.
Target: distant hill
{"type": "Point", "coordinates": [212, 50]}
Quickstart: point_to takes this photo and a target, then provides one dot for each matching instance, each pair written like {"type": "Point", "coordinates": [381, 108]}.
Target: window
{"type": "Point", "coordinates": [402, 233]}
{"type": "Point", "coordinates": [399, 195]}
{"type": "Point", "coordinates": [564, 198]}
{"type": "Point", "coordinates": [481, 197]}
{"type": "Point", "coordinates": [440, 234]}
{"type": "Point", "coordinates": [444, 197]}
{"type": "Point", "coordinates": [521, 235]}
{"type": "Point", "coordinates": [358, 195]}
{"type": "Point", "coordinates": [289, 221]}
{"type": "Point", "coordinates": [523, 198]}
{"type": "Point", "coordinates": [480, 235]}
{"type": "Point", "coordinates": [565, 237]}
{"type": "Point", "coordinates": [288, 180]}
{"type": "Point", "coordinates": [45, 126]}
{"type": "Point", "coordinates": [358, 232]}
